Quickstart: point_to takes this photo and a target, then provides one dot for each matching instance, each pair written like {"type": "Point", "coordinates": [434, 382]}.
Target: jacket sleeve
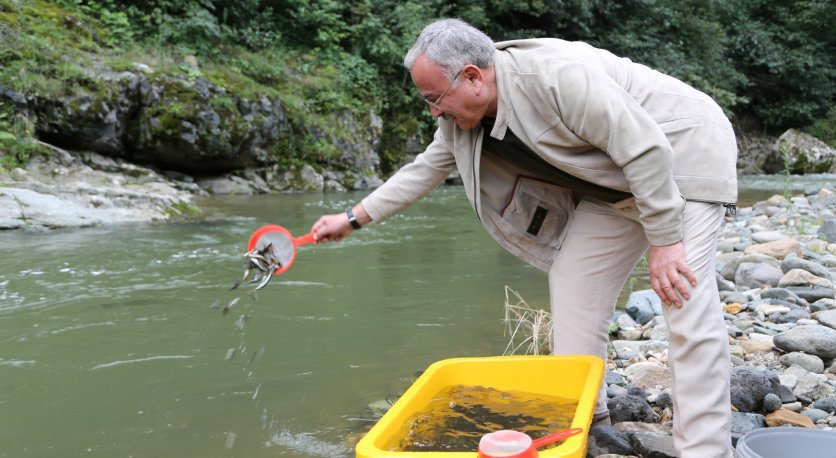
{"type": "Point", "coordinates": [602, 113]}
{"type": "Point", "coordinates": [412, 182]}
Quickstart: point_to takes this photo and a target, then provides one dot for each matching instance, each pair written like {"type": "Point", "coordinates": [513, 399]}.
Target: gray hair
{"type": "Point", "coordinates": [452, 44]}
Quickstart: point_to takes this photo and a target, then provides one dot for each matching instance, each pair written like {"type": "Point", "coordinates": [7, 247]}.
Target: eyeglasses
{"type": "Point", "coordinates": [437, 102]}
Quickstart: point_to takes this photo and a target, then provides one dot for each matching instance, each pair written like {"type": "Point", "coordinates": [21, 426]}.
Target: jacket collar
{"type": "Point", "coordinates": [503, 108]}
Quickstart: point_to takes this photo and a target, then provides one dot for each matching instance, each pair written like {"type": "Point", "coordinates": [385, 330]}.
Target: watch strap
{"type": "Point", "coordinates": [352, 219]}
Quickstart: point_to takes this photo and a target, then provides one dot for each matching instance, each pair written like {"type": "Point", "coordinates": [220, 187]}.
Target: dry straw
{"type": "Point", "coordinates": [530, 328]}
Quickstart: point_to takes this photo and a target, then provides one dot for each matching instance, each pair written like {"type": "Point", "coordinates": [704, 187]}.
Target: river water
{"type": "Point", "coordinates": [110, 345]}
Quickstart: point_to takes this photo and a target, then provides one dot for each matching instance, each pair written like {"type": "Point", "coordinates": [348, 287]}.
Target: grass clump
{"type": "Point", "coordinates": [17, 143]}
{"type": "Point", "coordinates": [529, 328]}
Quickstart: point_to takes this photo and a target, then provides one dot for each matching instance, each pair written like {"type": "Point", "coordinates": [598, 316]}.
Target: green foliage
{"type": "Point", "coordinates": [785, 48]}
{"type": "Point", "coordinates": [47, 50]}
{"type": "Point", "coordinates": [770, 59]}
{"type": "Point", "coordinates": [825, 128]}
{"type": "Point", "coordinates": [393, 142]}
{"type": "Point", "coordinates": [114, 24]}
{"type": "Point", "coordinates": [682, 38]}
{"type": "Point", "coordinates": [16, 141]}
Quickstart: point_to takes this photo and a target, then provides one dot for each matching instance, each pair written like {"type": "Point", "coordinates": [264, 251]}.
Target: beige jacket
{"type": "Point", "coordinates": [596, 116]}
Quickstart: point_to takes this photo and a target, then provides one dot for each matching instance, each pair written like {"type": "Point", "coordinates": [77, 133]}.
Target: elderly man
{"type": "Point", "coordinates": [578, 162]}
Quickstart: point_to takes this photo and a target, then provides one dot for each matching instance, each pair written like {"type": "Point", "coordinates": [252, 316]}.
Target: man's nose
{"type": "Point", "coordinates": [435, 111]}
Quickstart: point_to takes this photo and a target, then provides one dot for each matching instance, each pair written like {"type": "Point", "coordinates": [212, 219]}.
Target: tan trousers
{"type": "Point", "coordinates": [603, 244]}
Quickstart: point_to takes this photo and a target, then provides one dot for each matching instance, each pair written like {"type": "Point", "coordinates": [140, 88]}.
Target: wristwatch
{"type": "Point", "coordinates": [352, 219]}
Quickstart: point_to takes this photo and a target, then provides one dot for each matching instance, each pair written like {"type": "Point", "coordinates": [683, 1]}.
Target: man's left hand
{"type": "Point", "coordinates": [666, 266]}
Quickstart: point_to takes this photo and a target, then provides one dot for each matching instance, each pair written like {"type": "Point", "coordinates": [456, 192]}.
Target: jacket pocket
{"type": "Point", "coordinates": [539, 212]}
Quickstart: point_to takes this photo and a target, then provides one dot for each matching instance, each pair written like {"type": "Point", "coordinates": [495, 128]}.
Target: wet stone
{"type": "Point", "coordinates": [749, 386]}
{"type": "Point", "coordinates": [788, 417]}
{"type": "Point", "coordinates": [608, 440]}
{"type": "Point", "coordinates": [652, 444]}
{"type": "Point", "coordinates": [827, 318]}
{"type": "Point", "coordinates": [786, 395]}
{"type": "Point", "coordinates": [767, 236]}
{"type": "Point", "coordinates": [811, 339]}
{"type": "Point", "coordinates": [780, 293]}
{"type": "Point", "coordinates": [757, 275]}
{"type": "Point", "coordinates": [732, 297]}
{"type": "Point", "coordinates": [793, 261]}
{"type": "Point", "coordinates": [630, 408]}
{"type": "Point", "coordinates": [813, 293]}
{"type": "Point", "coordinates": [615, 390]}
{"type": "Point", "coordinates": [643, 306]}
{"type": "Point", "coordinates": [811, 363]}
{"type": "Point", "coordinates": [827, 404]}
{"type": "Point", "coordinates": [823, 304]}
{"type": "Point", "coordinates": [815, 414]}
{"type": "Point", "coordinates": [664, 400]}
{"type": "Point", "coordinates": [634, 390]}
{"type": "Point", "coordinates": [743, 423]}
{"type": "Point", "coordinates": [772, 402]}
{"type": "Point", "coordinates": [613, 378]}
{"type": "Point", "coordinates": [801, 277]}
{"type": "Point", "coordinates": [827, 231]}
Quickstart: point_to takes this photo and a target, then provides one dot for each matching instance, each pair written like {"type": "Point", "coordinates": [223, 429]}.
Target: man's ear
{"type": "Point", "coordinates": [472, 73]}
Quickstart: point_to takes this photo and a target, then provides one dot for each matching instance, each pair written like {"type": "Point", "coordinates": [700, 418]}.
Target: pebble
{"type": "Point", "coordinates": [827, 318]}
{"type": "Point", "coordinates": [823, 305]}
{"type": "Point", "coordinates": [793, 262]}
{"type": "Point", "coordinates": [787, 417]}
{"type": "Point", "coordinates": [767, 236]}
{"type": "Point", "coordinates": [828, 404]}
{"type": "Point", "coordinates": [771, 309]}
{"type": "Point", "coordinates": [800, 277]}
{"type": "Point", "coordinates": [757, 343]}
{"type": "Point", "coordinates": [815, 414]}
{"type": "Point", "coordinates": [811, 363]}
{"type": "Point", "coordinates": [794, 406]}
{"type": "Point", "coordinates": [778, 249]}
{"type": "Point", "coordinates": [772, 402]}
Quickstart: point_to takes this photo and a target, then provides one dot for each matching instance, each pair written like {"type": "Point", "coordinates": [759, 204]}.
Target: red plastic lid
{"type": "Point", "coordinates": [506, 444]}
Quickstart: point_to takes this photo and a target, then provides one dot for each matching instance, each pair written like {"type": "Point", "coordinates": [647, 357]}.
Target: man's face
{"type": "Point", "coordinates": [457, 101]}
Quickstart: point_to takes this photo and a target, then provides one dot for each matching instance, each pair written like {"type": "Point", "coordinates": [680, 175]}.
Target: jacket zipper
{"type": "Point", "coordinates": [476, 195]}
{"type": "Point", "coordinates": [731, 207]}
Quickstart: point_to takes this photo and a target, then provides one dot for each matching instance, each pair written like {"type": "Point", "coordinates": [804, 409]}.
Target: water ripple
{"type": "Point", "coordinates": [81, 326]}
{"type": "Point", "coordinates": [16, 362]}
{"type": "Point", "coordinates": [308, 444]}
{"type": "Point", "coordinates": [140, 360]}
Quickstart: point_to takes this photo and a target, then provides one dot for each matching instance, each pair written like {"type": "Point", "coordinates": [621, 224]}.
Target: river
{"type": "Point", "coordinates": [112, 343]}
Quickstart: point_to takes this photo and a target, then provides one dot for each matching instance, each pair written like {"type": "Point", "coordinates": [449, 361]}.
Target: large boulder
{"type": "Point", "coordinates": [749, 386]}
{"type": "Point", "coordinates": [800, 153]}
{"type": "Point", "coordinates": [812, 339]}
{"type": "Point", "coordinates": [169, 121]}
{"type": "Point", "coordinates": [186, 123]}
{"type": "Point", "coordinates": [643, 306]}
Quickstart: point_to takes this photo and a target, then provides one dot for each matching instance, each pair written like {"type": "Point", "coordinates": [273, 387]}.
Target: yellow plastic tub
{"type": "Point", "coordinates": [572, 376]}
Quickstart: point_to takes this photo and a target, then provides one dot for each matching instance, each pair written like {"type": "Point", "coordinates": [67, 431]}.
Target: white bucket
{"type": "Point", "coordinates": [787, 442]}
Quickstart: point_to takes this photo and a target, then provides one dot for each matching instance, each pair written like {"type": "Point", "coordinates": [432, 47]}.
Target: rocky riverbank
{"type": "Point", "coordinates": [776, 265]}
{"type": "Point", "coordinates": [72, 189]}
{"type": "Point", "coordinates": [87, 189]}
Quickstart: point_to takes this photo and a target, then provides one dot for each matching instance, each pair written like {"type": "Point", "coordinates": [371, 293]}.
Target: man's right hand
{"type": "Point", "coordinates": [332, 228]}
